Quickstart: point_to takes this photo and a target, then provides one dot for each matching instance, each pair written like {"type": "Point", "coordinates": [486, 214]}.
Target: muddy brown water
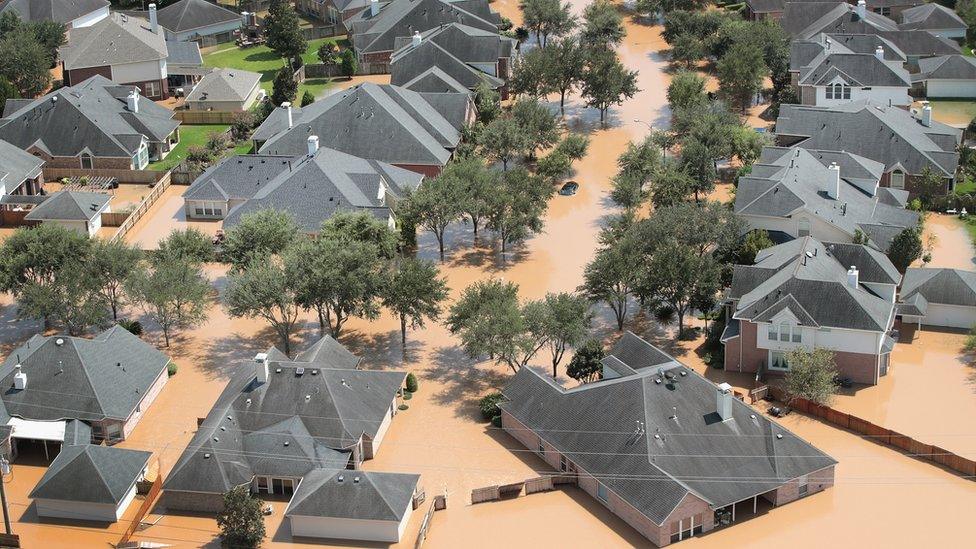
{"type": "Point", "coordinates": [440, 435]}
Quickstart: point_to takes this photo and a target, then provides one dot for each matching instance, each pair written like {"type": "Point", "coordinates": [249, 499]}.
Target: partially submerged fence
{"type": "Point", "coordinates": [533, 485]}
{"type": "Point", "coordinates": [440, 502]}
{"type": "Point", "coordinates": [143, 207]}
{"type": "Point", "coordinates": [144, 509]}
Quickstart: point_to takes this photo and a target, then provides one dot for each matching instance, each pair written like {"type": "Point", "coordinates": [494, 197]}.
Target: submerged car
{"type": "Point", "coordinates": [569, 188]}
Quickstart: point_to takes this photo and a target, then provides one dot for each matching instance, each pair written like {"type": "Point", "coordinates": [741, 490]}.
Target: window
{"type": "Point", "coordinates": [152, 89]}
{"type": "Point", "coordinates": [562, 463]}
{"type": "Point", "coordinates": [86, 161]}
{"type": "Point", "coordinates": [803, 227]}
{"type": "Point", "coordinates": [797, 335]}
{"type": "Point", "coordinates": [838, 91]}
{"type": "Point", "coordinates": [777, 361]}
{"type": "Point", "coordinates": [263, 485]}
{"type": "Point", "coordinates": [802, 485]}
{"type": "Point", "coordinates": [784, 331]}
{"type": "Point", "coordinates": [542, 448]}
{"type": "Point", "coordinates": [897, 179]}
{"type": "Point", "coordinates": [772, 332]}
{"type": "Point", "coordinates": [114, 431]}
{"type": "Point", "coordinates": [601, 492]}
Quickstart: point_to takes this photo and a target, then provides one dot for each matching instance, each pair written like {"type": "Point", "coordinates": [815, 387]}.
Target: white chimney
{"type": "Point", "coordinates": [879, 53]}
{"type": "Point", "coordinates": [374, 7]}
{"type": "Point", "coordinates": [833, 181]}
{"type": "Point", "coordinates": [827, 42]}
{"type": "Point", "coordinates": [261, 367]}
{"type": "Point", "coordinates": [927, 114]}
{"type": "Point", "coordinates": [852, 277]}
{"type": "Point", "coordinates": [287, 106]}
{"type": "Point", "coordinates": [723, 401]}
{"type": "Point", "coordinates": [415, 41]}
{"type": "Point", "coordinates": [132, 101]}
{"type": "Point", "coordinates": [20, 378]}
{"type": "Point", "coordinates": [862, 9]}
{"type": "Point", "coordinates": [153, 23]}
{"type": "Point", "coordinates": [244, 15]}
{"type": "Point", "coordinates": [313, 145]}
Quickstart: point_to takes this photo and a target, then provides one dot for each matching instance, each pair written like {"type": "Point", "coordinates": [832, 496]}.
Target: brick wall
{"type": "Point", "coordinates": [861, 368]}
{"type": "Point", "coordinates": [425, 169]}
{"type": "Point", "coordinates": [191, 501]}
{"type": "Point", "coordinates": [751, 356]}
{"type": "Point", "coordinates": [77, 76]}
{"type": "Point", "coordinates": [817, 481]}
{"type": "Point", "coordinates": [732, 348]}
{"type": "Point", "coordinates": [910, 182]}
{"type": "Point", "coordinates": [377, 57]}
{"type": "Point", "coordinates": [147, 401]}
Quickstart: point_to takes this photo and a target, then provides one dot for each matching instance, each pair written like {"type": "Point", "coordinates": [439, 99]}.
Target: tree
{"type": "Point", "coordinates": [188, 243]}
{"type": "Point", "coordinates": [241, 521]}
{"type": "Point", "coordinates": [676, 276]}
{"type": "Point", "coordinates": [34, 255]}
{"type": "Point", "coordinates": [284, 88]}
{"type": "Point", "coordinates": [538, 124]}
{"type": "Point", "coordinates": [602, 24]}
{"type": "Point", "coordinates": [51, 35]}
{"type": "Point", "coordinates": [638, 164]}
{"type": "Point", "coordinates": [258, 234]}
{"type": "Point", "coordinates": [516, 208]}
{"type": "Point", "coordinates": [906, 248]}
{"type": "Point", "coordinates": [530, 73]}
{"type": "Point", "coordinates": [811, 375]}
{"type": "Point", "coordinates": [671, 185]}
{"type": "Point", "coordinates": [740, 74]}
{"type": "Point", "coordinates": [487, 101]}
{"type": "Point", "coordinates": [241, 125]}
{"type": "Point", "coordinates": [112, 262]}
{"type": "Point", "coordinates": [564, 321]}
{"type": "Point", "coordinates": [547, 18]}
{"type": "Point", "coordinates": [172, 291]}
{"type": "Point", "coordinates": [438, 203]}
{"type": "Point", "coordinates": [307, 98]}
{"type": "Point", "coordinates": [553, 167]}
{"type": "Point", "coordinates": [477, 183]}
{"type": "Point", "coordinates": [503, 140]}
{"type": "Point", "coordinates": [698, 162]}
{"type": "Point", "coordinates": [413, 292]}
{"type": "Point", "coordinates": [283, 30]}
{"type": "Point", "coordinates": [361, 226]}
{"type": "Point", "coordinates": [24, 62]}
{"type": "Point", "coordinates": [606, 82]}
{"type": "Point", "coordinates": [349, 62]}
{"type": "Point", "coordinates": [563, 63]}
{"type": "Point", "coordinates": [687, 49]}
{"type": "Point", "coordinates": [327, 53]}
{"type": "Point", "coordinates": [754, 242]}
{"type": "Point", "coordinates": [574, 145]}
{"type": "Point", "coordinates": [686, 90]}
{"type": "Point", "coordinates": [587, 362]}
{"type": "Point", "coordinates": [71, 297]}
{"type": "Point", "coordinates": [928, 186]}
{"type": "Point", "coordinates": [265, 289]}
{"type": "Point", "coordinates": [611, 277]}
{"type": "Point", "coordinates": [7, 90]}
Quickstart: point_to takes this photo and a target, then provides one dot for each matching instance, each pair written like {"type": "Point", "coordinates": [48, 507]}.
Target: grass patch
{"type": "Point", "coordinates": [966, 186]}
{"type": "Point", "coordinates": [189, 136]}
{"type": "Point", "coordinates": [955, 112]}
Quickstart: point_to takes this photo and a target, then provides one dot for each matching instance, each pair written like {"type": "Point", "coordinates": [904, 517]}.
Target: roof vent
{"type": "Point", "coordinates": [299, 371]}
{"type": "Point", "coordinates": [779, 435]}
{"type": "Point", "coordinates": [286, 443]}
{"type": "Point", "coordinates": [723, 401]}
{"type": "Point", "coordinates": [20, 378]}
{"type": "Point", "coordinates": [355, 480]}
{"type": "Point", "coordinates": [59, 342]}
{"type": "Point", "coordinates": [315, 372]}
{"type": "Point", "coordinates": [308, 398]}
{"type": "Point", "coordinates": [206, 456]}
{"type": "Point", "coordinates": [247, 402]}
{"type": "Point", "coordinates": [339, 479]}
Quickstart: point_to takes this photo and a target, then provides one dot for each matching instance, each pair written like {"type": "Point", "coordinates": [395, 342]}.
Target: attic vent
{"type": "Point", "coordinates": [355, 480]}
{"type": "Point", "coordinates": [339, 479]}
{"type": "Point", "coordinates": [299, 371]}
{"type": "Point", "coordinates": [59, 342]}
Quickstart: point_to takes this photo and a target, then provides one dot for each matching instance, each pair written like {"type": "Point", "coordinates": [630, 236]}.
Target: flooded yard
{"type": "Point", "coordinates": [953, 248]}
{"type": "Point", "coordinates": [166, 215]}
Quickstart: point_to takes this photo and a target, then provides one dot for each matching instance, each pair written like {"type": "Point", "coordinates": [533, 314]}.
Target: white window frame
{"type": "Point", "coordinates": [900, 177]}
{"type": "Point", "coordinates": [153, 89]}
{"type": "Point", "coordinates": [602, 493]}
{"type": "Point", "coordinates": [773, 363]}
{"type": "Point", "coordinates": [91, 161]}
{"type": "Point", "coordinates": [802, 227]}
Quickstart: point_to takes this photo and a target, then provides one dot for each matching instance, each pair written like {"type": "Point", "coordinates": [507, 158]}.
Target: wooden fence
{"type": "Point", "coordinates": [325, 31]}
{"type": "Point", "coordinates": [114, 219]}
{"type": "Point", "coordinates": [144, 509]}
{"type": "Point", "coordinates": [143, 207]}
{"type": "Point", "coordinates": [488, 493]}
{"type": "Point", "coordinates": [440, 502]}
{"type": "Point", "coordinates": [204, 117]}
{"type": "Point", "coordinates": [914, 448]}
{"type": "Point", "coordinates": [144, 177]}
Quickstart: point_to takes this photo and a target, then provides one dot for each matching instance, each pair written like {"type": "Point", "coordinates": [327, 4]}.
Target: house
{"type": "Point", "coordinates": [938, 297]}
{"type": "Point", "coordinates": [803, 52]}
{"type": "Point", "coordinates": [352, 505]}
{"type": "Point", "coordinates": [184, 66]}
{"type": "Point", "coordinates": [20, 173]}
{"type": "Point", "coordinates": [231, 90]}
{"type": "Point", "coordinates": [830, 195]}
{"type": "Point", "coordinates": [92, 125]}
{"type": "Point", "coordinates": [904, 142]}
{"type": "Point", "coordinates": [466, 55]}
{"type": "Point", "coordinates": [936, 19]}
{"type": "Point", "coordinates": [88, 482]}
{"type": "Point", "coordinates": [310, 187]}
{"type": "Point", "coordinates": [374, 30]}
{"type": "Point", "coordinates": [332, 11]}
{"type": "Point", "coordinates": [280, 419]}
{"type": "Point", "coordinates": [917, 45]}
{"type": "Point", "coordinates": [188, 20]}
{"type": "Point", "coordinates": [671, 429]}
{"type": "Point", "coordinates": [419, 130]}
{"type": "Point", "coordinates": [75, 210]}
{"type": "Point", "coordinates": [757, 10]}
{"type": "Point", "coordinates": [835, 78]}
{"type": "Point", "coordinates": [106, 382]}
{"type": "Point", "coordinates": [73, 13]}
{"type": "Point", "coordinates": [124, 49]}
{"type": "Point", "coordinates": [808, 19]}
{"type": "Point", "coordinates": [947, 76]}
{"type": "Point", "coordinates": [809, 294]}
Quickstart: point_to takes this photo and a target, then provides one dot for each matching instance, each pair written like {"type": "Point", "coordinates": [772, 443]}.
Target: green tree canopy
{"type": "Point", "coordinates": [811, 375]}
{"type": "Point", "coordinates": [172, 290]}
{"type": "Point", "coordinates": [602, 24]}
{"type": "Point", "coordinates": [906, 248]}
{"type": "Point", "coordinates": [547, 18]}
{"type": "Point", "coordinates": [606, 82]}
{"type": "Point", "coordinates": [265, 289]}
{"type": "Point", "coordinates": [413, 292]}
{"type": "Point", "coordinates": [258, 234]}
{"type": "Point", "coordinates": [587, 362]}
{"type": "Point", "coordinates": [241, 521]}
{"type": "Point", "coordinates": [687, 90]}
{"type": "Point", "coordinates": [283, 30]}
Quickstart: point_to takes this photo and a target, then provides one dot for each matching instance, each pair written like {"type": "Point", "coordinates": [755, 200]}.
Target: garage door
{"type": "Point", "coordinates": [952, 88]}
{"type": "Point", "coordinates": [950, 316]}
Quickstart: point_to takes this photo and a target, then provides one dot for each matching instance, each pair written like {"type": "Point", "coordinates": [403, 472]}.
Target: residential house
{"type": "Point", "coordinates": [184, 66]}
{"type": "Point", "coordinates": [311, 187]}
{"type": "Point", "coordinates": [441, 58]}
{"type": "Point", "coordinates": [917, 45]}
{"type": "Point", "coordinates": [666, 425]}
{"type": "Point", "coordinates": [773, 9]}
{"type": "Point", "coordinates": [803, 52]}
{"type": "Point", "coordinates": [936, 19]}
{"type": "Point", "coordinates": [232, 90]}
{"type": "Point", "coordinates": [830, 195]}
{"type": "Point", "coordinates": [20, 173]}
{"type": "Point", "coordinates": [416, 131]}
{"type": "Point", "coordinates": [938, 297]}
{"type": "Point", "coordinates": [947, 76]}
{"type": "Point", "coordinates": [96, 124]}
{"type": "Point", "coordinates": [187, 20]}
{"type": "Point", "coordinates": [905, 142]}
{"type": "Point", "coordinates": [280, 419]}
{"type": "Point", "coordinates": [74, 210]}
{"type": "Point", "coordinates": [124, 49]}
{"type": "Point", "coordinates": [88, 482]}
{"type": "Point", "coordinates": [352, 505]}
{"type": "Point", "coordinates": [73, 13]}
{"type": "Point", "coordinates": [835, 78]}
{"type": "Point", "coordinates": [807, 294]}
{"type": "Point", "coordinates": [808, 19]}
{"type": "Point", "coordinates": [374, 30]}
{"type": "Point", "coordinates": [107, 382]}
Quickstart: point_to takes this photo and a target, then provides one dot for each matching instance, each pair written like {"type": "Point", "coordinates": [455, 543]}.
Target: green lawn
{"type": "Point", "coordinates": [189, 136]}
{"type": "Point", "coordinates": [261, 59]}
{"type": "Point", "coordinates": [957, 113]}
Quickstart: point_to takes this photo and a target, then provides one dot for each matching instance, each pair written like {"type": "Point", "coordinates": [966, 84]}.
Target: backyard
{"type": "Point", "coordinates": [194, 136]}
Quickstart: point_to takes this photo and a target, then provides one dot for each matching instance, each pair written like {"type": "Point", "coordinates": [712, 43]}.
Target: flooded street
{"type": "Point", "coordinates": [442, 437]}
{"type": "Point", "coordinates": [953, 247]}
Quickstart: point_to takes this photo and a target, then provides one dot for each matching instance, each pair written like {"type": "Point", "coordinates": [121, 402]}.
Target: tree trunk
{"type": "Point", "coordinates": [681, 324]}
{"type": "Point", "coordinates": [321, 316]}
{"type": "Point", "coordinates": [115, 310]}
{"type": "Point", "coordinates": [474, 225]}
{"type": "Point", "coordinates": [403, 331]}
{"type": "Point", "coordinates": [562, 102]}
{"type": "Point", "coordinates": [286, 339]}
{"type": "Point", "coordinates": [166, 335]}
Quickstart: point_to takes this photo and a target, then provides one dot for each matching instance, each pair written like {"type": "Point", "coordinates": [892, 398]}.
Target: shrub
{"type": "Point", "coordinates": [241, 126]}
{"type": "Point", "coordinates": [349, 63]}
{"type": "Point", "coordinates": [217, 142]}
{"type": "Point", "coordinates": [411, 383]}
{"type": "Point", "coordinates": [489, 405]}
{"type": "Point", "coordinates": [134, 327]}
{"type": "Point", "coordinates": [496, 421]}
{"type": "Point", "coordinates": [171, 369]}
{"type": "Point", "coordinates": [307, 99]}
{"type": "Point", "coordinates": [403, 407]}
{"type": "Point", "coordinates": [407, 395]}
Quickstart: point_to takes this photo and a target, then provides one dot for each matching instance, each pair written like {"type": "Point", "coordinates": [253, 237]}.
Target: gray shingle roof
{"type": "Point", "coordinates": [403, 17]}
{"type": "Point", "coordinates": [858, 69]}
{"type": "Point", "coordinates": [288, 426]}
{"type": "Point", "coordinates": [914, 305]}
{"type": "Point", "coordinates": [70, 206]}
{"type": "Point", "coordinates": [800, 276]}
{"type": "Point", "coordinates": [946, 67]}
{"type": "Point", "coordinates": [807, 19]}
{"type": "Point", "coordinates": [91, 474]}
{"type": "Point", "coordinates": [469, 44]}
{"type": "Point", "coordinates": [931, 16]}
{"type": "Point", "coordinates": [62, 11]}
{"type": "Point", "coordinates": [805, 52]}
{"type": "Point", "coordinates": [889, 135]}
{"type": "Point", "coordinates": [225, 85]}
{"type": "Point", "coordinates": [16, 165]}
{"type": "Point", "coordinates": [90, 117]}
{"type": "Point", "coordinates": [920, 43]}
{"type": "Point", "coordinates": [88, 379]}
{"type": "Point", "coordinates": [380, 122]}
{"type": "Point", "coordinates": [187, 15]}
{"type": "Point", "coordinates": [434, 80]}
{"type": "Point", "coordinates": [594, 424]}
{"type": "Point", "coordinates": [360, 495]}
{"type": "Point", "coordinates": [942, 286]}
{"type": "Point", "coordinates": [77, 432]}
{"type": "Point", "coordinates": [411, 61]}
{"type": "Point", "coordinates": [115, 40]}
{"type": "Point", "coordinates": [183, 54]}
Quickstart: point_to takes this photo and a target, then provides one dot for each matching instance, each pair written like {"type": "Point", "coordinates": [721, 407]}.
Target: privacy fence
{"type": "Point", "coordinates": [143, 207]}
{"type": "Point", "coordinates": [440, 502]}
{"type": "Point", "coordinates": [144, 509]}
{"type": "Point", "coordinates": [533, 485]}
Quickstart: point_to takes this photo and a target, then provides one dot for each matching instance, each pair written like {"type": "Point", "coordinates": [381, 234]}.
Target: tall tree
{"type": "Point", "coordinates": [413, 292]}
{"type": "Point", "coordinates": [187, 243]}
{"type": "Point", "coordinates": [537, 122]}
{"type": "Point", "coordinates": [587, 362]}
{"type": "Point", "coordinates": [360, 226]}
{"type": "Point", "coordinates": [612, 277]}
{"type": "Point", "coordinates": [257, 235]}
{"type": "Point", "coordinates": [602, 24]}
{"type": "Point", "coordinates": [811, 375]}
{"type": "Point", "coordinates": [677, 276]}
{"type": "Point", "coordinates": [698, 162]}
{"type": "Point", "coordinates": [24, 62]}
{"type": "Point", "coordinates": [563, 61]}
{"type": "Point", "coordinates": [284, 88]}
{"type": "Point", "coordinates": [606, 82]}
{"type": "Point", "coordinates": [565, 319]}
{"type": "Point", "coordinates": [906, 248]}
{"type": "Point", "coordinates": [477, 183]}
{"type": "Point", "coordinates": [547, 18]}
{"type": "Point", "coordinates": [72, 297]}
{"type": "Point", "coordinates": [112, 263]}
{"type": "Point", "coordinates": [740, 74]}
{"type": "Point", "coordinates": [687, 90]}
{"type": "Point", "coordinates": [503, 140]}
{"type": "Point", "coordinates": [283, 30]}
{"type": "Point", "coordinates": [487, 102]}
{"type": "Point", "coordinates": [515, 210]}
{"type": "Point", "coordinates": [241, 521]}
{"type": "Point", "coordinates": [530, 74]}
{"type": "Point", "coordinates": [439, 202]}
{"type": "Point", "coordinates": [265, 289]}
{"type": "Point", "coordinates": [172, 291]}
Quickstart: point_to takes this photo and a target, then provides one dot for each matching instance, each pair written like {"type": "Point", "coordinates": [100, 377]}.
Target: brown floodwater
{"type": "Point", "coordinates": [441, 437]}
{"type": "Point", "coordinates": [952, 246]}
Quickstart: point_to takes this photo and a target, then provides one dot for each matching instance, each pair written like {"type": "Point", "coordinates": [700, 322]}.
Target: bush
{"type": "Point", "coordinates": [403, 407]}
{"type": "Point", "coordinates": [307, 99]}
{"type": "Point", "coordinates": [349, 63]}
{"type": "Point", "coordinates": [407, 395]}
{"type": "Point", "coordinates": [171, 369]}
{"type": "Point", "coordinates": [496, 421]}
{"type": "Point", "coordinates": [134, 327]}
{"type": "Point", "coordinates": [489, 406]}
{"type": "Point", "coordinates": [241, 126]}
{"type": "Point", "coordinates": [411, 382]}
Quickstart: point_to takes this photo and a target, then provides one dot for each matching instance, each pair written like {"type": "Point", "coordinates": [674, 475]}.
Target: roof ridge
{"type": "Point", "coordinates": [87, 451]}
